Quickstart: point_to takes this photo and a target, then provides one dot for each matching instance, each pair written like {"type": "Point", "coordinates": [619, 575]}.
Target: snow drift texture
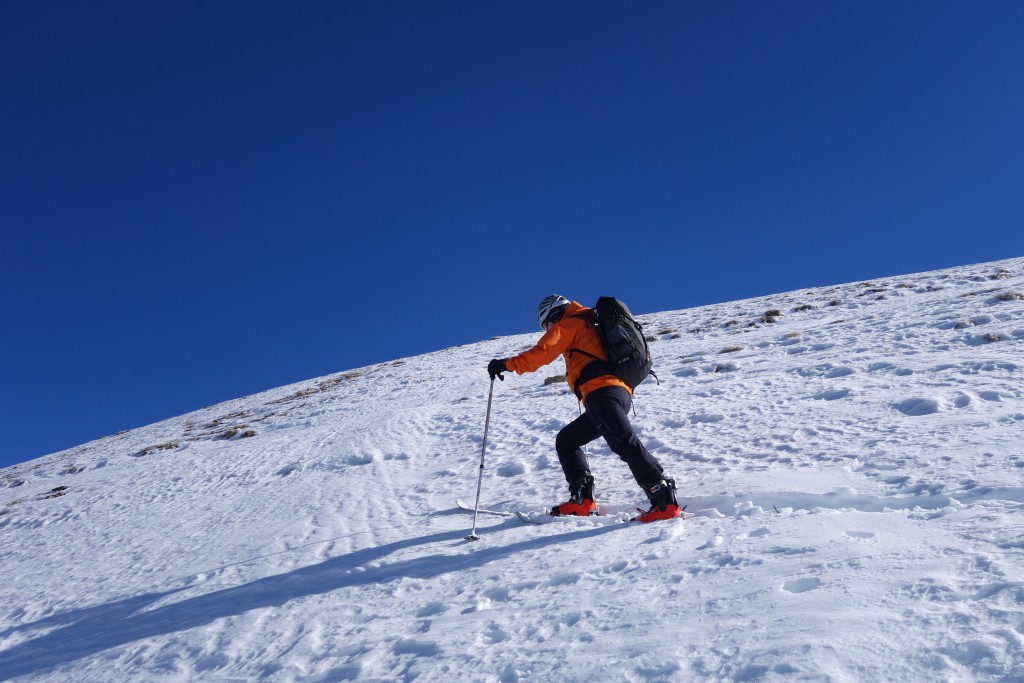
{"type": "Point", "coordinates": [853, 455]}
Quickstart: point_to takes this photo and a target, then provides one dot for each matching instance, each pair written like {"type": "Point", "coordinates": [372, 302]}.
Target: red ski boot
{"type": "Point", "coordinates": [582, 508]}
{"type": "Point", "coordinates": [663, 502]}
{"type": "Point", "coordinates": [581, 500]}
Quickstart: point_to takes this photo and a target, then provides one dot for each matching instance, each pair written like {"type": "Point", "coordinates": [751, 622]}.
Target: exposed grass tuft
{"type": "Point", "coordinates": [150, 450]}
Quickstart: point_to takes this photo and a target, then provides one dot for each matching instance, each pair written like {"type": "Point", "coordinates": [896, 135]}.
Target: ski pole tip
{"type": "Point", "coordinates": [472, 537]}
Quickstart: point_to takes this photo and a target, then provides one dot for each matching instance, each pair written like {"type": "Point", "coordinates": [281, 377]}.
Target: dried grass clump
{"type": "Point", "coordinates": [56, 492]}
{"type": "Point", "coordinates": [150, 450]}
{"type": "Point", "coordinates": [319, 388]}
{"type": "Point", "coordinates": [239, 431]}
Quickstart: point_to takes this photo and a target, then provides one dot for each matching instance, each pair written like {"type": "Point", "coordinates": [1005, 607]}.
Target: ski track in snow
{"type": "Point", "coordinates": [855, 468]}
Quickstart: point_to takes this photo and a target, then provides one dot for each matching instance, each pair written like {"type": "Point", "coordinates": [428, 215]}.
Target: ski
{"type": "Point", "coordinates": [602, 518]}
{"type": "Point", "coordinates": [469, 508]}
{"type": "Point", "coordinates": [682, 515]}
{"type": "Point", "coordinates": [606, 515]}
{"type": "Point", "coordinates": [599, 519]}
{"type": "Point", "coordinates": [523, 518]}
{"type": "Point", "coordinates": [544, 518]}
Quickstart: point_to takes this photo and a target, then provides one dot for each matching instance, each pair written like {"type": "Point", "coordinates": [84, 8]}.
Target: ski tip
{"type": "Point", "coordinates": [524, 517]}
{"type": "Point", "coordinates": [682, 515]}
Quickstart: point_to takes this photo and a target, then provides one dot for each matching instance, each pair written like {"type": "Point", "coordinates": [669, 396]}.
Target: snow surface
{"type": "Point", "coordinates": [855, 466]}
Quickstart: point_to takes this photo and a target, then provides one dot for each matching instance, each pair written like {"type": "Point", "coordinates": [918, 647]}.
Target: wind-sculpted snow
{"type": "Point", "coordinates": [852, 455]}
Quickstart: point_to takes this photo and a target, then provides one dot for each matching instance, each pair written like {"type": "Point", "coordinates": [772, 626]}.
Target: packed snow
{"type": "Point", "coordinates": [852, 455]}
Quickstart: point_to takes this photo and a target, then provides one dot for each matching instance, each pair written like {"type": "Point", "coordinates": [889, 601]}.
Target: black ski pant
{"type": "Point", "coordinates": [607, 415]}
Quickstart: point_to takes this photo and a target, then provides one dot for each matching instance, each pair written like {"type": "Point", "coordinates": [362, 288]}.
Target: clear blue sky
{"type": "Point", "coordinates": [203, 200]}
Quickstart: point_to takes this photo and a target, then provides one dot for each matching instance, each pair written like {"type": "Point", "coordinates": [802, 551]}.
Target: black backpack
{"type": "Point", "coordinates": [629, 357]}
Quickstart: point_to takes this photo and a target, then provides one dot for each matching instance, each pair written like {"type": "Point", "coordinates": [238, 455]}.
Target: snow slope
{"type": "Point", "coordinates": [856, 468]}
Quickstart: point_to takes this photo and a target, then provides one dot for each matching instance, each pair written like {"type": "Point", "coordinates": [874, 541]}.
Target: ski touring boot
{"type": "Point", "coordinates": [581, 498]}
{"type": "Point", "coordinates": [663, 502]}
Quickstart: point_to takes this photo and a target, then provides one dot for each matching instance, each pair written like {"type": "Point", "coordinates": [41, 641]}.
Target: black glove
{"type": "Point", "coordinates": [495, 368]}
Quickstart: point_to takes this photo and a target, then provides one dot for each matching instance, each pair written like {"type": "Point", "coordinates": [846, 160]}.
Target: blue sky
{"type": "Point", "coordinates": [200, 201]}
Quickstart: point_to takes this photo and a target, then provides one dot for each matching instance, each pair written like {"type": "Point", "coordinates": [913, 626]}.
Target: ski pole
{"type": "Point", "coordinates": [480, 479]}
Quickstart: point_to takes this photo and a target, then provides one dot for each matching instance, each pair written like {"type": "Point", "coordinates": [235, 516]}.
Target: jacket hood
{"type": "Point", "coordinates": [574, 308]}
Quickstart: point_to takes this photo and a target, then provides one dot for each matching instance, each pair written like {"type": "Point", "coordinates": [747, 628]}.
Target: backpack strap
{"type": "Point", "coordinates": [588, 314]}
{"type": "Point", "coordinates": [598, 367]}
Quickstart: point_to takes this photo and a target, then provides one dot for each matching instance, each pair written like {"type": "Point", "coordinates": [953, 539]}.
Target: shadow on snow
{"type": "Point", "coordinates": [85, 632]}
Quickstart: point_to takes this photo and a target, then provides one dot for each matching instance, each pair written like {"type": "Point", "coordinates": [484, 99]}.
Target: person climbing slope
{"type": "Point", "coordinates": [570, 331]}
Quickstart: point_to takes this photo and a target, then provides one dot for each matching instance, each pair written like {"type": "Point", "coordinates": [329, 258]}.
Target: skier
{"type": "Point", "coordinates": [568, 332]}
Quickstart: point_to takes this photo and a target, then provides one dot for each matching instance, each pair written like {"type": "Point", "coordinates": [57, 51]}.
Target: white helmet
{"type": "Point", "coordinates": [551, 309]}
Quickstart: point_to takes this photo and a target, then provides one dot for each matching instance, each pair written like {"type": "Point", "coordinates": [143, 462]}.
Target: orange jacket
{"type": "Point", "coordinates": [567, 334]}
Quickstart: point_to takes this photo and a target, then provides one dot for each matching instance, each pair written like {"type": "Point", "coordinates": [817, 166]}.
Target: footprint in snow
{"type": "Point", "coordinates": [514, 469]}
{"type": "Point", "coordinates": [432, 609]}
{"type": "Point", "coordinates": [832, 395]}
{"type": "Point", "coordinates": [860, 534]}
{"type": "Point", "coordinates": [917, 407]}
{"type": "Point", "coordinates": [493, 635]}
{"type": "Point", "coordinates": [706, 418]}
{"type": "Point", "coordinates": [801, 585]}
